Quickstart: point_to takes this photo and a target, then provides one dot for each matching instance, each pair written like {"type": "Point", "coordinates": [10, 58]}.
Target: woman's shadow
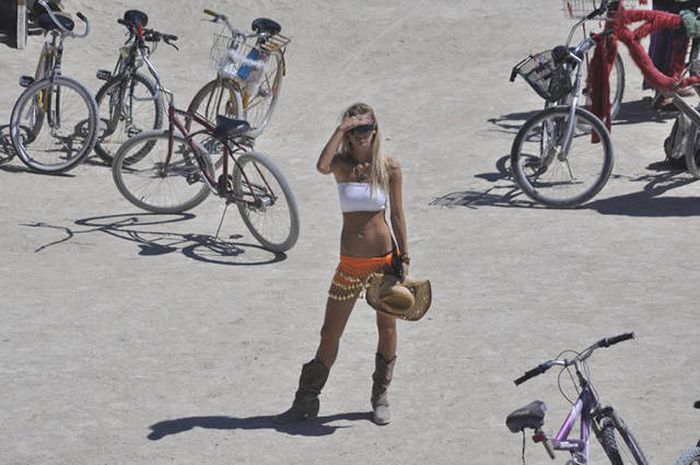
{"type": "Point", "coordinates": [320, 427]}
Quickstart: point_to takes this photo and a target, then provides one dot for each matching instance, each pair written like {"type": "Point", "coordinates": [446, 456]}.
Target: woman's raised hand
{"type": "Point", "coordinates": [350, 122]}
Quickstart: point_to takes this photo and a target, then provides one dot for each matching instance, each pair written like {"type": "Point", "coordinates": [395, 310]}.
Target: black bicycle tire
{"type": "Point", "coordinates": [119, 162]}
{"type": "Point", "coordinates": [690, 456]}
{"type": "Point", "coordinates": [606, 437]}
{"type": "Point", "coordinates": [152, 88]}
{"type": "Point", "coordinates": [585, 196]}
{"type": "Point", "coordinates": [90, 140]}
{"type": "Point", "coordinates": [293, 235]}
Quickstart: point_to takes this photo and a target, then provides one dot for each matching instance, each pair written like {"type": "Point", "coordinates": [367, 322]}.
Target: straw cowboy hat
{"type": "Point", "coordinates": [408, 300]}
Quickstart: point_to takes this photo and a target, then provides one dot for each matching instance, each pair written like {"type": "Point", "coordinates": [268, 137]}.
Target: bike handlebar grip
{"type": "Point", "coordinates": [538, 370]}
{"type": "Point", "coordinates": [210, 13]}
{"type": "Point", "coordinates": [513, 74]}
{"type": "Point", "coordinates": [81, 16]}
{"type": "Point", "coordinates": [615, 339]}
{"type": "Point", "coordinates": [169, 37]}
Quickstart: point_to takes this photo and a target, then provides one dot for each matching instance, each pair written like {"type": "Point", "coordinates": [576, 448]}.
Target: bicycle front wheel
{"type": "Point", "coordinates": [157, 182]}
{"type": "Point", "coordinates": [54, 125]}
{"type": "Point", "coordinates": [266, 202]}
{"type": "Point", "coordinates": [548, 175]}
{"type": "Point", "coordinates": [128, 104]}
{"type": "Point", "coordinates": [217, 97]}
{"type": "Point", "coordinates": [259, 106]}
{"type": "Point", "coordinates": [619, 444]}
{"type": "Point", "coordinates": [690, 456]}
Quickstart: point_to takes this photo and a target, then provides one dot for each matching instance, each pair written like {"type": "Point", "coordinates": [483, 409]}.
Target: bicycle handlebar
{"type": "Point", "coordinates": [543, 367]}
{"type": "Point", "coordinates": [538, 370]}
{"type": "Point", "coordinates": [234, 32]}
{"type": "Point", "coordinates": [58, 24]}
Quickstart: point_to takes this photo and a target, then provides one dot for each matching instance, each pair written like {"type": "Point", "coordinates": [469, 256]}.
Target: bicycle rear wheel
{"type": "Point", "coordinates": [258, 108]}
{"type": "Point", "coordinates": [690, 456]}
{"type": "Point", "coordinates": [619, 444]}
{"type": "Point", "coordinates": [146, 182]}
{"type": "Point", "coordinates": [266, 202]}
{"type": "Point", "coordinates": [54, 125]}
{"type": "Point", "coordinates": [548, 177]}
{"type": "Point", "coordinates": [129, 105]}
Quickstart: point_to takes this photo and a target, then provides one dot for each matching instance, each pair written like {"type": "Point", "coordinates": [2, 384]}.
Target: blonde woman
{"type": "Point", "coordinates": [367, 182]}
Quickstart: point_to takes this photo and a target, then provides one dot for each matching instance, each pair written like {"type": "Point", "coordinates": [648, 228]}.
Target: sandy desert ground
{"type": "Point", "coordinates": [130, 338]}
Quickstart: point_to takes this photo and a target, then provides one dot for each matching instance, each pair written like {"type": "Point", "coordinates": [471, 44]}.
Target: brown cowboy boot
{"type": "Point", "coordinates": [383, 373]}
{"type": "Point", "coordinates": [305, 406]}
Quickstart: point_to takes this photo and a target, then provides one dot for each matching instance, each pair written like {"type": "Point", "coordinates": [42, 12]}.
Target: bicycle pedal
{"type": "Point", "coordinates": [193, 178]}
{"type": "Point", "coordinates": [103, 75]}
{"type": "Point", "coordinates": [26, 81]}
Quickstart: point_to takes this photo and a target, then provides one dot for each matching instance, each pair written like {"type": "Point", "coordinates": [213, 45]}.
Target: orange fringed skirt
{"type": "Point", "coordinates": [353, 273]}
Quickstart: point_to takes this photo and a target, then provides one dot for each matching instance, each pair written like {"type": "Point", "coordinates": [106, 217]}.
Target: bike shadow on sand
{"type": "Point", "coordinates": [139, 228]}
{"type": "Point", "coordinates": [503, 192]}
{"type": "Point", "coordinates": [648, 201]}
{"type": "Point", "coordinates": [320, 427]}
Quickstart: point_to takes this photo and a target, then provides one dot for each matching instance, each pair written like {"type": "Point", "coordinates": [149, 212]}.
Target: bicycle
{"type": "Point", "coordinates": [541, 152]}
{"type": "Point", "coordinates": [250, 68]}
{"type": "Point", "coordinates": [169, 171]}
{"type": "Point", "coordinates": [575, 9]}
{"type": "Point", "coordinates": [60, 106]}
{"type": "Point", "coordinates": [690, 456]}
{"type": "Point", "coordinates": [129, 101]}
{"type": "Point", "coordinates": [611, 431]}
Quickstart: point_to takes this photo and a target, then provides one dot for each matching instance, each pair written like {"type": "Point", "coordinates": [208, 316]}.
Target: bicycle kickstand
{"type": "Point", "coordinates": [218, 230]}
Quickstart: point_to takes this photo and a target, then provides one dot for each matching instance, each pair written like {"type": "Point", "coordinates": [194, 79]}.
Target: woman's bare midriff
{"type": "Point", "coordinates": [365, 234]}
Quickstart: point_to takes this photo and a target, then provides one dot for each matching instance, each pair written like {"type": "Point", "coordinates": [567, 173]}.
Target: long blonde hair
{"type": "Point", "coordinates": [378, 175]}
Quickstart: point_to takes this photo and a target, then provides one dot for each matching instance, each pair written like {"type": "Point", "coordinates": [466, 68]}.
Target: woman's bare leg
{"type": "Point", "coordinates": [337, 314]}
{"type": "Point", "coordinates": [387, 336]}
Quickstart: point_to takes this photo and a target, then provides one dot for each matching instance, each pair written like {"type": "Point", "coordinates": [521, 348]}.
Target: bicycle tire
{"type": "Point", "coordinates": [209, 102]}
{"type": "Point", "coordinates": [692, 158]}
{"type": "Point", "coordinates": [261, 106]}
{"type": "Point", "coordinates": [254, 216]}
{"type": "Point", "coordinates": [619, 444]}
{"type": "Point", "coordinates": [690, 456]}
{"type": "Point", "coordinates": [143, 183]}
{"type": "Point", "coordinates": [109, 122]}
{"type": "Point", "coordinates": [617, 88]}
{"type": "Point", "coordinates": [536, 188]}
{"type": "Point", "coordinates": [84, 128]}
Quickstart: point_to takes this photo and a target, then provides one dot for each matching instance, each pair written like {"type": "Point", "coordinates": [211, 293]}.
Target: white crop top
{"type": "Point", "coordinates": [357, 197]}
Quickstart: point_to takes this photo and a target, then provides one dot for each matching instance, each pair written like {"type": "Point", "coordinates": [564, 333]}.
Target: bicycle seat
{"type": "Point", "coordinates": [697, 404]}
{"type": "Point", "coordinates": [266, 25]}
{"type": "Point", "coordinates": [227, 127]}
{"type": "Point", "coordinates": [46, 23]}
{"type": "Point", "coordinates": [530, 416]}
{"type": "Point", "coordinates": [133, 18]}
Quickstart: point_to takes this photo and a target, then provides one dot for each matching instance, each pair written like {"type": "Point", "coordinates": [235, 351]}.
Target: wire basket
{"type": "Point", "coordinates": [550, 80]}
{"type": "Point", "coordinates": [219, 49]}
{"type": "Point", "coordinates": [579, 9]}
{"type": "Point", "coordinates": [244, 59]}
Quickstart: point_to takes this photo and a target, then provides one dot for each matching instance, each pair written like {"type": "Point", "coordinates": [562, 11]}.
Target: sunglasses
{"type": "Point", "coordinates": [361, 130]}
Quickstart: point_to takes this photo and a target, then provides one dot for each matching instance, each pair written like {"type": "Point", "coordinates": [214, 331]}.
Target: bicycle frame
{"type": "Point", "coordinates": [586, 407]}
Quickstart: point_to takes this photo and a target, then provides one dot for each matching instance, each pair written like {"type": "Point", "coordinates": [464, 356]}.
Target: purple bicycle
{"type": "Point", "coordinates": [610, 430]}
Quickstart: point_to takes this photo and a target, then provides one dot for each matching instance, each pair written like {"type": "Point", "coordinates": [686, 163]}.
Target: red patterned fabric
{"type": "Point", "coordinates": [604, 55]}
